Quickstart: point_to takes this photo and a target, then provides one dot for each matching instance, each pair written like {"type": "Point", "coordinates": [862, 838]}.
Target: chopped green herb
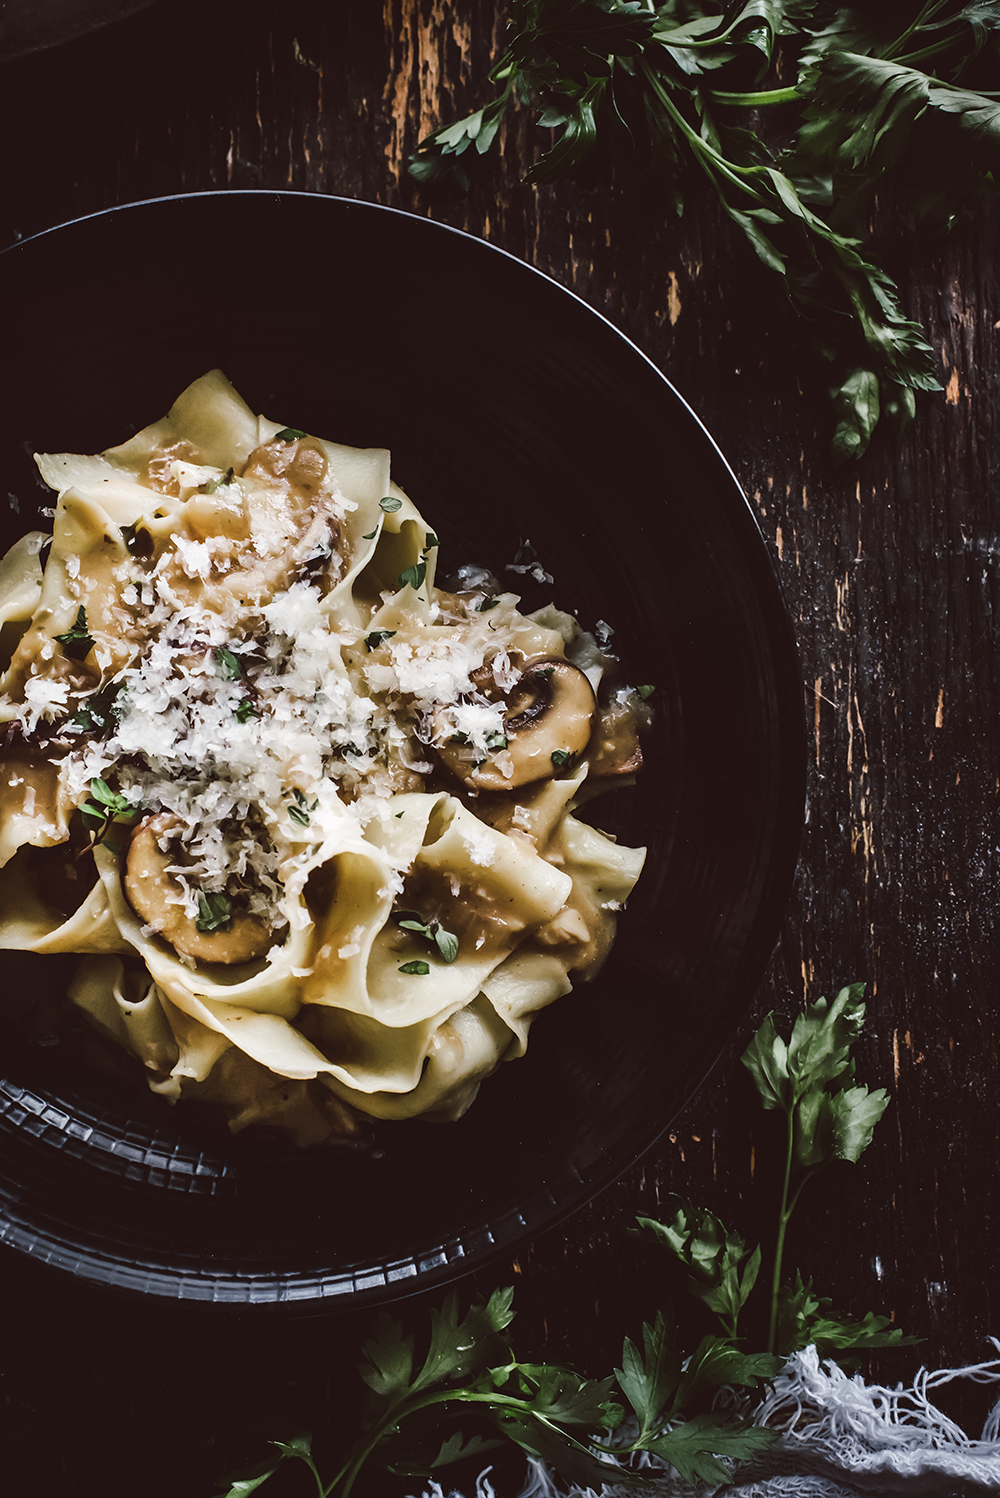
{"type": "Point", "coordinates": [353, 750]}
{"type": "Point", "coordinates": [497, 741]}
{"type": "Point", "coordinates": [227, 665]}
{"type": "Point", "coordinates": [416, 969]}
{"type": "Point", "coordinates": [288, 434]}
{"type": "Point", "coordinates": [378, 637]}
{"type": "Point", "coordinates": [215, 913]}
{"type": "Point", "coordinates": [413, 575]}
{"type": "Point", "coordinates": [77, 641]}
{"type": "Point", "coordinates": [246, 711]}
{"type": "Point", "coordinates": [525, 552]}
{"type": "Point", "coordinates": [445, 941]}
{"type": "Point", "coordinates": [544, 671]}
{"type": "Point", "coordinates": [400, 815]}
{"type": "Point", "coordinates": [214, 485]}
{"type": "Point", "coordinates": [459, 738]}
{"type": "Point", "coordinates": [299, 815]}
{"type": "Point", "coordinates": [646, 690]}
{"type": "Point", "coordinates": [101, 808]}
{"type": "Point", "coordinates": [102, 792]}
{"type": "Point", "coordinates": [371, 535]}
{"type": "Point", "coordinates": [485, 604]}
{"type": "Point", "coordinates": [430, 541]}
{"type": "Point", "coordinates": [98, 712]}
{"type": "Point", "coordinates": [561, 757]}
{"type": "Point", "coordinates": [390, 504]}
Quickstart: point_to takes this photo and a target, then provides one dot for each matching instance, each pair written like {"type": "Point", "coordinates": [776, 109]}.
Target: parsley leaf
{"type": "Point", "coordinates": [97, 713]}
{"type": "Point", "coordinates": [227, 665]}
{"type": "Point", "coordinates": [214, 912]}
{"type": "Point", "coordinates": [722, 1271]}
{"type": "Point", "coordinates": [485, 604]}
{"type": "Point", "coordinates": [645, 690]}
{"type": "Point", "coordinates": [694, 1448]}
{"type": "Point", "coordinates": [77, 640]}
{"type": "Point", "coordinates": [874, 96]}
{"type": "Point", "coordinates": [288, 435]}
{"type": "Point", "coordinates": [560, 757]}
{"type": "Point", "coordinates": [246, 710]}
{"type": "Point", "coordinates": [378, 637]}
{"type": "Point", "coordinates": [413, 575]}
{"type": "Point", "coordinates": [804, 1317]}
{"type": "Point", "coordinates": [390, 504]}
{"type": "Point", "coordinates": [415, 969]}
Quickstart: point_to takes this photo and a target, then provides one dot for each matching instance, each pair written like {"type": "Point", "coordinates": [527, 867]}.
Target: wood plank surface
{"type": "Point", "coordinates": [891, 572]}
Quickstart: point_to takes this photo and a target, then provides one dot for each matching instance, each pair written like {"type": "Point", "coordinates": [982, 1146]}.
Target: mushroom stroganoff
{"type": "Point", "coordinates": [307, 818]}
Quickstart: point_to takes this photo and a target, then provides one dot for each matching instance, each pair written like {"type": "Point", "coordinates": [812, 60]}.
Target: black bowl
{"type": "Point", "coordinates": [512, 410]}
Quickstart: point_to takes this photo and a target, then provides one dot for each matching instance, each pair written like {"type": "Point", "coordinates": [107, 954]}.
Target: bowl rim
{"type": "Point", "coordinates": [487, 1238]}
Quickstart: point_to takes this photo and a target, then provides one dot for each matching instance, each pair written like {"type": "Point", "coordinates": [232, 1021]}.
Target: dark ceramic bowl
{"type": "Point", "coordinates": [512, 410]}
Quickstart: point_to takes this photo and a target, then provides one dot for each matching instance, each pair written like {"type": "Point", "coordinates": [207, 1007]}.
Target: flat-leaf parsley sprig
{"type": "Point", "coordinates": [874, 92]}
{"type": "Point", "coordinates": [466, 1393]}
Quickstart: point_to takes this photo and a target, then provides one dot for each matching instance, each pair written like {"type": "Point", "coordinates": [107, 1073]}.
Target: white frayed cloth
{"type": "Point", "coordinates": [839, 1437]}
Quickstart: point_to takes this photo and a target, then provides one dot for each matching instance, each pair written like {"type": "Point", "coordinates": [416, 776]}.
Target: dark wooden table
{"type": "Point", "coordinates": [891, 571]}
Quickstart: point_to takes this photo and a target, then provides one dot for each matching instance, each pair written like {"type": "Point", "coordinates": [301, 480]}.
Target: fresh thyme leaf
{"type": "Point", "coordinates": [413, 575]}
{"type": "Point", "coordinates": [227, 665]}
{"type": "Point", "coordinates": [447, 943]}
{"type": "Point", "coordinates": [77, 640]}
{"type": "Point", "coordinates": [390, 504]}
{"type": "Point", "coordinates": [299, 815]}
{"type": "Point", "coordinates": [214, 912]}
{"type": "Point", "coordinates": [288, 435]}
{"type": "Point", "coordinates": [415, 969]}
{"type": "Point", "coordinates": [378, 637]}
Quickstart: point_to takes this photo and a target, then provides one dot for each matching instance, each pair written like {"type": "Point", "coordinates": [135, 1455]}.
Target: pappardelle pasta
{"type": "Point", "coordinates": [306, 817]}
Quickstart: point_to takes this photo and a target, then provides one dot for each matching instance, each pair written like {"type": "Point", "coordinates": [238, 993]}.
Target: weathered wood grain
{"type": "Point", "coordinates": [890, 570]}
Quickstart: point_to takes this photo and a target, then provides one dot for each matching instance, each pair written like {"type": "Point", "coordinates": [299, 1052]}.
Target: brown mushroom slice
{"type": "Point", "coordinates": [155, 895]}
{"type": "Point", "coordinates": [616, 749]}
{"type": "Point", "coordinates": [548, 722]}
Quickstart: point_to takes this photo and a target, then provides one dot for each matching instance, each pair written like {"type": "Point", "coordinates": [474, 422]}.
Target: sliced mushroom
{"type": "Point", "coordinates": [616, 750]}
{"type": "Point", "coordinates": [547, 724]}
{"type": "Point", "coordinates": [157, 897]}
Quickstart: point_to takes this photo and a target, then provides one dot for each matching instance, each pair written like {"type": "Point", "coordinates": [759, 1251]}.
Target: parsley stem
{"type": "Point", "coordinates": [784, 1213]}
{"type": "Point", "coordinates": [754, 100]}
{"type": "Point", "coordinates": [926, 13]}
